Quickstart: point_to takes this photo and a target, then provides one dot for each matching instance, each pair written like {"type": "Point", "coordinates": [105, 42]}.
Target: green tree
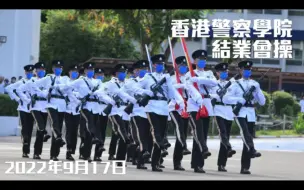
{"type": "Point", "coordinates": [153, 26]}
{"type": "Point", "coordinates": [75, 40]}
{"type": "Point", "coordinates": [146, 26]}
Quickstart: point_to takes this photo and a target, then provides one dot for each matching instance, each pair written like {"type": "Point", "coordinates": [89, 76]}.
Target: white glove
{"type": "Point", "coordinates": [242, 101]}
{"type": "Point", "coordinates": [181, 105]}
{"type": "Point", "coordinates": [256, 85]}
{"type": "Point", "coordinates": [179, 85]}
{"type": "Point", "coordinates": [194, 79]}
{"type": "Point", "coordinates": [149, 93]}
{"type": "Point", "coordinates": [167, 76]}
{"type": "Point", "coordinates": [132, 100]}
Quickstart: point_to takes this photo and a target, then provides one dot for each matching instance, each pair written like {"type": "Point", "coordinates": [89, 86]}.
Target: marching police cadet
{"type": "Point", "coordinates": [82, 122]}
{"type": "Point", "coordinates": [56, 105]}
{"type": "Point", "coordinates": [26, 118]}
{"type": "Point", "coordinates": [114, 136]}
{"type": "Point", "coordinates": [38, 108]}
{"type": "Point", "coordinates": [102, 122]}
{"type": "Point", "coordinates": [119, 117]}
{"type": "Point", "coordinates": [205, 80]}
{"type": "Point", "coordinates": [139, 122]}
{"type": "Point", "coordinates": [246, 117]}
{"type": "Point", "coordinates": [86, 86]}
{"type": "Point", "coordinates": [180, 117]}
{"type": "Point", "coordinates": [72, 116]}
{"type": "Point", "coordinates": [157, 107]}
{"type": "Point", "coordinates": [223, 117]}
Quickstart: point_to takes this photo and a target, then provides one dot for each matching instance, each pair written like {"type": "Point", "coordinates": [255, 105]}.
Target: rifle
{"type": "Point", "coordinates": [154, 88]}
{"type": "Point", "coordinates": [130, 106]}
{"type": "Point", "coordinates": [109, 107]}
{"type": "Point", "coordinates": [222, 91]}
{"type": "Point", "coordinates": [184, 113]}
{"type": "Point", "coordinates": [248, 96]}
{"type": "Point", "coordinates": [84, 100]}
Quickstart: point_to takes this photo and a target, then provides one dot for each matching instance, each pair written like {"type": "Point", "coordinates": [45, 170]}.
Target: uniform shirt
{"type": "Point", "coordinates": [84, 86]}
{"type": "Point", "coordinates": [103, 97]}
{"type": "Point", "coordinates": [12, 92]}
{"type": "Point", "coordinates": [133, 88]}
{"type": "Point", "coordinates": [203, 78]}
{"type": "Point", "coordinates": [28, 88]}
{"type": "Point", "coordinates": [235, 94]}
{"type": "Point", "coordinates": [188, 91]}
{"type": "Point", "coordinates": [302, 105]}
{"type": "Point", "coordinates": [160, 107]}
{"type": "Point", "coordinates": [55, 103]}
{"type": "Point", "coordinates": [223, 111]}
{"type": "Point", "coordinates": [115, 88]}
{"type": "Point", "coordinates": [74, 97]}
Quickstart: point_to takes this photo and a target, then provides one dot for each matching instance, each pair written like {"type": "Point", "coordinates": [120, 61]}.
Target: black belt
{"type": "Point", "coordinates": [159, 98]}
{"type": "Point", "coordinates": [56, 96]}
{"type": "Point", "coordinates": [222, 104]}
{"type": "Point", "coordinates": [40, 99]}
{"type": "Point", "coordinates": [206, 96]}
{"type": "Point", "coordinates": [93, 100]}
{"type": "Point", "coordinates": [249, 105]}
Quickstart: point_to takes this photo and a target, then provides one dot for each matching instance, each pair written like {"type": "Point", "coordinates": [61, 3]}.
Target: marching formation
{"type": "Point", "coordinates": [139, 108]}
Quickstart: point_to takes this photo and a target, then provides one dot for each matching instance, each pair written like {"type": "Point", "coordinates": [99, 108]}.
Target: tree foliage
{"type": "Point", "coordinates": [147, 26]}
{"type": "Point", "coordinates": [75, 39]}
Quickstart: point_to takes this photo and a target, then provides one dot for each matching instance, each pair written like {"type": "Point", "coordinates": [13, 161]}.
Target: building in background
{"type": "Point", "coordinates": [22, 31]}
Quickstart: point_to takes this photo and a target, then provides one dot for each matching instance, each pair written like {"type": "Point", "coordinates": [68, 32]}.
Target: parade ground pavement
{"type": "Point", "coordinates": [282, 159]}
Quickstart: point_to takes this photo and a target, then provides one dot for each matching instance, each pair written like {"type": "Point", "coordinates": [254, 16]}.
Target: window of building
{"type": "Point", "coordinates": [297, 53]}
{"type": "Point", "coordinates": [273, 11]}
{"type": "Point", "coordinates": [295, 12]}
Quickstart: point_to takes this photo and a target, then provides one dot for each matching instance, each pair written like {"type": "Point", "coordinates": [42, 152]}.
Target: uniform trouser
{"type": "Point", "coordinates": [27, 123]}
{"type": "Point", "coordinates": [114, 139]}
{"type": "Point", "coordinates": [180, 125]}
{"type": "Point", "coordinates": [159, 125]}
{"type": "Point", "coordinates": [200, 132]}
{"type": "Point", "coordinates": [71, 135]}
{"type": "Point", "coordinates": [132, 151]}
{"type": "Point", "coordinates": [246, 130]}
{"type": "Point", "coordinates": [90, 132]}
{"type": "Point", "coordinates": [82, 126]}
{"type": "Point", "coordinates": [141, 132]}
{"type": "Point", "coordinates": [101, 128]}
{"type": "Point", "coordinates": [224, 128]}
{"type": "Point", "coordinates": [121, 127]}
{"type": "Point", "coordinates": [56, 119]}
{"type": "Point", "coordinates": [41, 121]}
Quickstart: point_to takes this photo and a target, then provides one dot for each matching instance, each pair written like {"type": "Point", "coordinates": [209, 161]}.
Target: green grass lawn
{"type": "Point", "coordinates": [276, 132]}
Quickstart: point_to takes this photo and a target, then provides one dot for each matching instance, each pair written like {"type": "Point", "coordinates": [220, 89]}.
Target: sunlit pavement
{"type": "Point", "coordinates": [282, 159]}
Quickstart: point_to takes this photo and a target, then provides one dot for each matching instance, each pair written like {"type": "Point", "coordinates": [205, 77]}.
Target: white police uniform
{"type": "Point", "coordinates": [223, 118]}
{"type": "Point", "coordinates": [115, 89]}
{"type": "Point", "coordinates": [25, 117]}
{"type": "Point", "coordinates": [56, 105]}
{"type": "Point", "coordinates": [72, 118]}
{"type": "Point", "coordinates": [157, 108]}
{"type": "Point", "coordinates": [38, 110]}
{"type": "Point", "coordinates": [89, 106]}
{"type": "Point", "coordinates": [101, 125]}
{"type": "Point", "coordinates": [246, 117]}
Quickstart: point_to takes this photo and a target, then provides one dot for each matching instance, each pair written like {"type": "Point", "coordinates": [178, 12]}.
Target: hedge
{"type": "Point", "coordinates": [8, 107]}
